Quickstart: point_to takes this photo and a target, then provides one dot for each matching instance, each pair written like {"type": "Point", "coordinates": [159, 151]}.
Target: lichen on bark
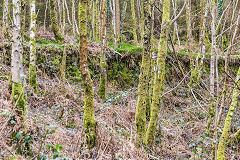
{"type": "Point", "coordinates": [135, 40]}
{"type": "Point", "coordinates": [19, 98]}
{"type": "Point", "coordinates": [103, 64]}
{"type": "Point", "coordinates": [228, 121]}
{"type": "Point", "coordinates": [160, 74]}
{"type": "Point", "coordinates": [143, 104]}
{"type": "Point", "coordinates": [32, 65]}
{"type": "Point", "coordinates": [53, 15]}
{"type": "Point", "coordinates": [88, 118]}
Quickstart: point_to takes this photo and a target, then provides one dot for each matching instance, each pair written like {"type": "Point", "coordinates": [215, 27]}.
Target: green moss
{"type": "Point", "coordinates": [102, 86]}
{"type": "Point", "coordinates": [125, 47]}
{"type": "Point", "coordinates": [33, 77]}
{"type": "Point", "coordinates": [159, 81]}
{"type": "Point", "coordinates": [55, 28]}
{"type": "Point", "coordinates": [143, 102]}
{"type": "Point", "coordinates": [88, 118]}
{"type": "Point", "coordinates": [135, 40]}
{"type": "Point", "coordinates": [228, 121]}
{"type": "Point", "coordinates": [83, 18]}
{"type": "Point", "coordinates": [20, 99]}
{"type": "Point", "coordinates": [63, 66]}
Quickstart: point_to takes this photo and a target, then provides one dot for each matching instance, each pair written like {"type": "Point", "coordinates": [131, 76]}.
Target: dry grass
{"type": "Point", "coordinates": [181, 123]}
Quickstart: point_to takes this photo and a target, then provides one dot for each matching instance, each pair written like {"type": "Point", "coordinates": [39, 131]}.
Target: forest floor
{"type": "Point", "coordinates": [55, 121]}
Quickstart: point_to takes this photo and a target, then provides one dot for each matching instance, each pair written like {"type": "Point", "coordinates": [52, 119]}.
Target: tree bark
{"type": "Point", "coordinates": [57, 33]}
{"type": "Point", "coordinates": [159, 81]}
{"type": "Point", "coordinates": [103, 64]}
{"type": "Point", "coordinates": [143, 86]}
{"type": "Point", "coordinates": [32, 64]}
{"type": "Point", "coordinates": [135, 41]}
{"type": "Point", "coordinates": [88, 118]}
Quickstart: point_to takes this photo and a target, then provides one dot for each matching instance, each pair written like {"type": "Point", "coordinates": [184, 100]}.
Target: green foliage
{"type": "Point", "coordinates": [121, 75]}
{"type": "Point", "coordinates": [73, 73]}
{"type": "Point", "coordinates": [41, 41]}
{"type": "Point", "coordinates": [125, 47]}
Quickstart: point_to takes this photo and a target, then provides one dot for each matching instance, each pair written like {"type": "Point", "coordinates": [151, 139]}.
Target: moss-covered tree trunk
{"type": "Point", "coordinates": [135, 40]}
{"type": "Point", "coordinates": [64, 56]}
{"type": "Point", "coordinates": [117, 19]}
{"type": "Point", "coordinates": [5, 24]}
{"type": "Point", "coordinates": [143, 86]}
{"type": "Point", "coordinates": [23, 17]}
{"type": "Point", "coordinates": [175, 31]}
{"type": "Point", "coordinates": [73, 18]}
{"type": "Point", "coordinates": [53, 14]}
{"type": "Point", "coordinates": [97, 19]}
{"type": "Point", "coordinates": [88, 118]}
{"type": "Point", "coordinates": [227, 57]}
{"type": "Point", "coordinates": [114, 21]}
{"type": "Point", "coordinates": [32, 64]}
{"type": "Point", "coordinates": [212, 68]}
{"type": "Point", "coordinates": [18, 95]}
{"type": "Point", "coordinates": [228, 121]}
{"type": "Point", "coordinates": [160, 74]}
{"type": "Point", "coordinates": [204, 12]}
{"type": "Point", "coordinates": [17, 86]}
{"type": "Point", "coordinates": [190, 40]}
{"type": "Point", "coordinates": [103, 64]}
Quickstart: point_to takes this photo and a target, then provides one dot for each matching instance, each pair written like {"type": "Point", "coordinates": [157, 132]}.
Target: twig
{"type": "Point", "coordinates": [232, 80]}
{"type": "Point", "coordinates": [177, 85]}
{"type": "Point", "coordinates": [197, 101]}
{"type": "Point", "coordinates": [179, 14]}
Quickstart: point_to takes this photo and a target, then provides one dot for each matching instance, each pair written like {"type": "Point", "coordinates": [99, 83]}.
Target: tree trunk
{"type": "Point", "coordinates": [117, 19]}
{"type": "Point", "coordinates": [97, 20]}
{"type": "Point", "coordinates": [103, 64]}
{"type": "Point", "coordinates": [23, 15]}
{"type": "Point", "coordinates": [5, 19]}
{"type": "Point", "coordinates": [63, 68]}
{"type": "Point", "coordinates": [88, 118]}
{"type": "Point", "coordinates": [57, 33]}
{"type": "Point", "coordinates": [114, 22]}
{"type": "Point", "coordinates": [212, 66]}
{"type": "Point", "coordinates": [135, 41]}
{"type": "Point", "coordinates": [228, 121]}
{"type": "Point", "coordinates": [32, 64]}
{"type": "Point", "coordinates": [18, 95]}
{"type": "Point", "coordinates": [143, 86]}
{"type": "Point", "coordinates": [160, 74]}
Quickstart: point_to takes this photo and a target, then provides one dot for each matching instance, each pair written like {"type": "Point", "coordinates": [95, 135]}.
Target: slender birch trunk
{"type": "Point", "coordinates": [205, 6]}
{"type": "Point", "coordinates": [17, 88]}
{"type": "Point", "coordinates": [45, 16]}
{"type": "Point", "coordinates": [117, 19]}
{"type": "Point", "coordinates": [68, 15]}
{"type": "Point", "coordinates": [73, 17]}
{"type": "Point", "coordinates": [32, 64]}
{"type": "Point", "coordinates": [63, 69]}
{"type": "Point", "coordinates": [114, 22]}
{"type": "Point", "coordinates": [175, 32]}
{"type": "Point", "coordinates": [212, 69]}
{"type": "Point", "coordinates": [5, 19]}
